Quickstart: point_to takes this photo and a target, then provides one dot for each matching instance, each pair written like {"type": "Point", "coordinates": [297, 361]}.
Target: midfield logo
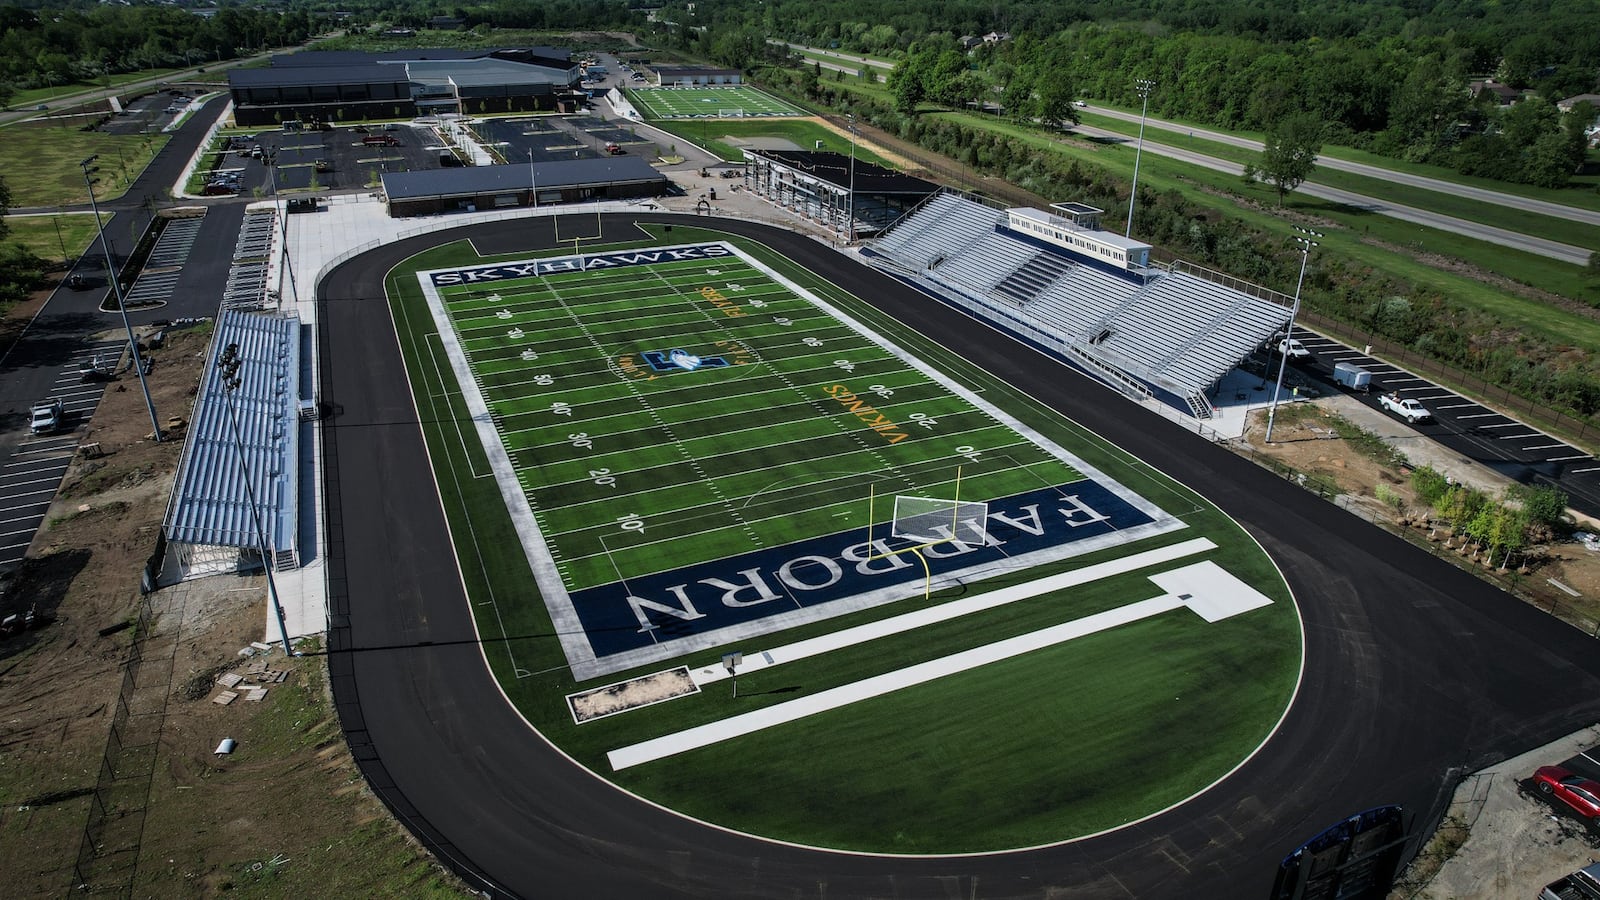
{"type": "Point", "coordinates": [670, 361]}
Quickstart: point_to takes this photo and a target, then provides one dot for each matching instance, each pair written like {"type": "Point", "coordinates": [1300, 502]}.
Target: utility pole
{"type": "Point", "coordinates": [116, 290]}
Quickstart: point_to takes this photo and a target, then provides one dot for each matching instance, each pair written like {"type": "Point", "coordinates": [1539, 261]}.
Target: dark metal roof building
{"type": "Point", "coordinates": [433, 191]}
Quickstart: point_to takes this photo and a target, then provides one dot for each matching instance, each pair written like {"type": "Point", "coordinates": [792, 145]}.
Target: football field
{"type": "Point", "coordinates": [694, 103]}
{"type": "Point", "coordinates": [669, 419]}
{"type": "Point", "coordinates": [680, 448]}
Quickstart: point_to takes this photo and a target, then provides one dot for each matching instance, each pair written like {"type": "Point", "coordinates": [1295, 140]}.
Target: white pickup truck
{"type": "Point", "coordinates": [1407, 409]}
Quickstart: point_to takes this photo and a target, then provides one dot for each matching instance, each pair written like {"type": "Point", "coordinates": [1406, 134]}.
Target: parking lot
{"type": "Point", "coordinates": [1478, 432]}
{"type": "Point", "coordinates": [30, 476]}
{"type": "Point", "coordinates": [547, 141]}
{"type": "Point", "coordinates": [349, 158]}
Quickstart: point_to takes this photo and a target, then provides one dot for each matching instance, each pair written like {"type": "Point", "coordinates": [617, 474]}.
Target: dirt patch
{"type": "Point", "coordinates": [615, 698]}
{"type": "Point", "coordinates": [286, 814]}
{"type": "Point", "coordinates": [1306, 447]}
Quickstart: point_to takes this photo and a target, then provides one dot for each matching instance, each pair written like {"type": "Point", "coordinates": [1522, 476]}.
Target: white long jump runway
{"type": "Point", "coordinates": [1206, 588]}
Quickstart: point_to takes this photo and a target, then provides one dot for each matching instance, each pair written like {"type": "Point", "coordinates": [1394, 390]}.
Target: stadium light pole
{"type": "Point", "coordinates": [116, 290]}
{"type": "Point", "coordinates": [1143, 85]}
{"type": "Point", "coordinates": [270, 160]}
{"type": "Point", "coordinates": [1304, 239]}
{"type": "Point", "coordinates": [228, 366]}
{"type": "Point", "coordinates": [533, 182]}
{"type": "Point", "coordinates": [851, 237]}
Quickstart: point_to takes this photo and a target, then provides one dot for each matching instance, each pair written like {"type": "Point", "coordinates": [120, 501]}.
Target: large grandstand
{"type": "Point", "coordinates": [1090, 297]}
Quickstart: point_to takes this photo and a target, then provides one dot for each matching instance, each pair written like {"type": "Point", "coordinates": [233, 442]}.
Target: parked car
{"type": "Point", "coordinates": [1405, 407]}
{"type": "Point", "coordinates": [1581, 794]}
{"type": "Point", "coordinates": [1292, 348]}
{"type": "Point", "coordinates": [301, 205]}
{"type": "Point", "coordinates": [1583, 884]}
{"type": "Point", "coordinates": [47, 417]}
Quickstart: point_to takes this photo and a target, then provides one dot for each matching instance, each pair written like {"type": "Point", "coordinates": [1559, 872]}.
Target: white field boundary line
{"type": "Point", "coordinates": [581, 658]}
{"type": "Point", "coordinates": [1209, 590]}
{"type": "Point", "coordinates": [466, 449]}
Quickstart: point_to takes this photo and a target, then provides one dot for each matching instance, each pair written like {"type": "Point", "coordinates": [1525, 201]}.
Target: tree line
{"type": "Point", "coordinates": [57, 47]}
{"type": "Point", "coordinates": [1398, 88]}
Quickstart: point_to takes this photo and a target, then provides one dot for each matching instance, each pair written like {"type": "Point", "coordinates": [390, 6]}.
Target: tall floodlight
{"type": "Point", "coordinates": [116, 290]}
{"type": "Point", "coordinates": [228, 367]}
{"type": "Point", "coordinates": [851, 237]}
{"type": "Point", "coordinates": [1304, 239]}
{"type": "Point", "coordinates": [533, 182]}
{"type": "Point", "coordinates": [1143, 86]}
{"type": "Point", "coordinates": [270, 160]}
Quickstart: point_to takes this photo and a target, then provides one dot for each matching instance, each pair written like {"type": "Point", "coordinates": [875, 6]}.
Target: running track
{"type": "Point", "coordinates": [1416, 672]}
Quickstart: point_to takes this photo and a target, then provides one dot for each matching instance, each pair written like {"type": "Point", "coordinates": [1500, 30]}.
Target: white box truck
{"type": "Point", "coordinates": [1352, 376]}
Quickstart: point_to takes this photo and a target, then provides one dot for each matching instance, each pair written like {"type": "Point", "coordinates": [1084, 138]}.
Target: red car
{"type": "Point", "coordinates": [1580, 793]}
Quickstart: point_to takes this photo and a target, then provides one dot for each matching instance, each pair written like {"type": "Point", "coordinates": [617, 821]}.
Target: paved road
{"type": "Point", "coordinates": [1415, 671]}
{"type": "Point", "coordinates": [1566, 253]}
{"type": "Point", "coordinates": [1471, 192]}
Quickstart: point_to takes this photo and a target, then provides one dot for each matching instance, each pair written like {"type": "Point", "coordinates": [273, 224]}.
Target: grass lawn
{"type": "Point", "coordinates": [56, 95]}
{"type": "Point", "coordinates": [803, 133]}
{"type": "Point", "coordinates": [1580, 193]}
{"type": "Point", "coordinates": [1016, 753]}
{"type": "Point", "coordinates": [1520, 221]}
{"type": "Point", "coordinates": [54, 237]}
{"type": "Point", "coordinates": [714, 102]}
{"type": "Point", "coordinates": [50, 156]}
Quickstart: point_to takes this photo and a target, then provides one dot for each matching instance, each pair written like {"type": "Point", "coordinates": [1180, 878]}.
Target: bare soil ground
{"type": "Point", "coordinates": [286, 813]}
{"type": "Point", "coordinates": [1498, 839]}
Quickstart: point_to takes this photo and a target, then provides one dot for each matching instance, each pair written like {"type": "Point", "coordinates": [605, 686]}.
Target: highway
{"type": "Point", "coordinates": [1471, 192]}
{"type": "Point", "coordinates": [1566, 253]}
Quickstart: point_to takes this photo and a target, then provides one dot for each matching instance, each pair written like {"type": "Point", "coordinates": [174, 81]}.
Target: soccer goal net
{"type": "Point", "coordinates": [730, 113]}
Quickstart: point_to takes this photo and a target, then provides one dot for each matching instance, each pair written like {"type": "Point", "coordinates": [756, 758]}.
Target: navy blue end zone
{"type": "Point", "coordinates": [806, 577]}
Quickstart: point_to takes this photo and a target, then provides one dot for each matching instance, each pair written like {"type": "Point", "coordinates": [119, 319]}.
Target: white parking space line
{"type": "Point", "coordinates": [1487, 415]}
{"type": "Point", "coordinates": [1460, 406]}
{"type": "Point", "coordinates": [6, 488]}
{"type": "Point", "coordinates": [1570, 459]}
{"type": "Point", "coordinates": [1544, 446]}
{"type": "Point", "coordinates": [1581, 471]}
{"type": "Point", "coordinates": [1506, 425]}
{"type": "Point", "coordinates": [1518, 437]}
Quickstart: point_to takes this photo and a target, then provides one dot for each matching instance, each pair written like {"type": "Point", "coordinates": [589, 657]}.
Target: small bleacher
{"type": "Point", "coordinates": [1166, 327]}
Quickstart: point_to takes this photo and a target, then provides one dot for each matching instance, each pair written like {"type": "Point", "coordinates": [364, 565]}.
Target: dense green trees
{"type": "Point", "coordinates": [61, 47]}
{"type": "Point", "coordinates": [1386, 75]}
{"type": "Point", "coordinates": [19, 269]}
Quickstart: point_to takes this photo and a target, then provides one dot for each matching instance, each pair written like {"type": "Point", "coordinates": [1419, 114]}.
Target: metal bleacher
{"type": "Point", "coordinates": [940, 228]}
{"type": "Point", "coordinates": [1031, 279]}
{"type": "Point", "coordinates": [1164, 327]}
{"type": "Point", "coordinates": [986, 262]}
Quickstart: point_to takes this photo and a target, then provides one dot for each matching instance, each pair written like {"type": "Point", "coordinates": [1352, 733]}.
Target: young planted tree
{"type": "Point", "coordinates": [1289, 153]}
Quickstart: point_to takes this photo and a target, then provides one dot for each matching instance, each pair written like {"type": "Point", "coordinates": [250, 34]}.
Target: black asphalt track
{"type": "Point", "coordinates": [1415, 671]}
